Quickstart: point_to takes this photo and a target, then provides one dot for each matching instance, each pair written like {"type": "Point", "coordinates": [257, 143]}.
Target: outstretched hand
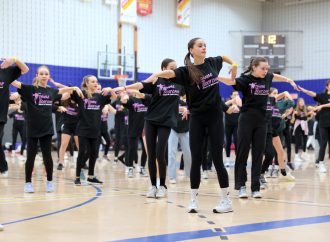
{"type": "Point", "coordinates": [6, 62]}
{"type": "Point", "coordinates": [151, 79]}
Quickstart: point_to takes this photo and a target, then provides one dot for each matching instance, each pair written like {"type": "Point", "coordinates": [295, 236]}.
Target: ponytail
{"type": "Point", "coordinates": [194, 73]}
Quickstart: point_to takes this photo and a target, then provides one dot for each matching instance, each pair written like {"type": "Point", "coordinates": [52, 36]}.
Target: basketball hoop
{"type": "Point", "coordinates": [121, 79]}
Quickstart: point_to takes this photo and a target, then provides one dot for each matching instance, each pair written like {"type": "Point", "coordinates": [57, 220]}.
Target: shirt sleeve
{"type": "Point", "coordinates": [181, 76]}
{"type": "Point", "coordinates": [147, 88]}
{"type": "Point", "coordinates": [241, 84]}
{"type": "Point", "coordinates": [25, 91]}
{"type": "Point", "coordinates": [216, 63]}
{"type": "Point", "coordinates": [318, 98]}
{"type": "Point", "coordinates": [147, 99]}
{"type": "Point", "coordinates": [14, 73]}
{"type": "Point", "coordinates": [55, 95]}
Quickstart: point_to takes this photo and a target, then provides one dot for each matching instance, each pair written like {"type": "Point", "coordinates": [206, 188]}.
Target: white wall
{"type": "Point", "coordinates": [313, 19]}
{"type": "Point", "coordinates": [70, 32]}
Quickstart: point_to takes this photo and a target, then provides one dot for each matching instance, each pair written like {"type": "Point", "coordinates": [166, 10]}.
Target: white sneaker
{"type": "Point", "coordinates": [227, 162]}
{"type": "Point", "coordinates": [1, 227]}
{"type": "Point", "coordinates": [130, 172]}
{"type": "Point", "coordinates": [256, 194]}
{"type": "Point", "coordinates": [287, 178]}
{"type": "Point", "coordinates": [126, 169]}
{"type": "Point", "coordinates": [297, 158]}
{"type": "Point", "coordinates": [224, 206]}
{"type": "Point", "coordinates": [242, 193]}
{"type": "Point", "coordinates": [322, 168]}
{"type": "Point", "coordinates": [205, 175]}
{"type": "Point", "coordinates": [172, 181]}
{"type": "Point", "coordinates": [143, 172]}
{"type": "Point", "coordinates": [4, 174]}
{"type": "Point", "coordinates": [269, 173]}
{"type": "Point", "coordinates": [193, 206]}
{"type": "Point", "coordinates": [304, 156]}
{"type": "Point", "coordinates": [152, 192]}
{"type": "Point", "coordinates": [161, 192]}
{"type": "Point", "coordinates": [28, 188]}
{"type": "Point", "coordinates": [50, 186]}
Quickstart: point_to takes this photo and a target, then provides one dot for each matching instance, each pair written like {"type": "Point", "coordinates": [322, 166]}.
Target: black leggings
{"type": "Point", "coordinates": [21, 131]}
{"type": "Point", "coordinates": [211, 121]}
{"type": "Point", "coordinates": [121, 136]}
{"type": "Point", "coordinates": [324, 134]}
{"type": "Point", "coordinates": [252, 128]}
{"type": "Point", "coordinates": [106, 136]}
{"type": "Point", "coordinates": [230, 132]}
{"type": "Point", "coordinates": [269, 153]}
{"type": "Point", "coordinates": [288, 139]}
{"type": "Point", "coordinates": [133, 152]}
{"type": "Point", "coordinates": [32, 149]}
{"type": "Point", "coordinates": [3, 162]}
{"type": "Point", "coordinates": [206, 154]}
{"type": "Point", "coordinates": [300, 139]}
{"type": "Point", "coordinates": [88, 149]}
{"type": "Point", "coordinates": [156, 138]}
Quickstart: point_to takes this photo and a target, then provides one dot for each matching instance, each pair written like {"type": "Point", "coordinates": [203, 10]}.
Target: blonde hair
{"type": "Point", "coordinates": [35, 81]}
{"type": "Point", "coordinates": [84, 85]}
{"type": "Point", "coordinates": [298, 107]}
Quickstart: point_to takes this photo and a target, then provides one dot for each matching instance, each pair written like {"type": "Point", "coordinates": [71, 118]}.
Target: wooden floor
{"type": "Point", "coordinates": [119, 210]}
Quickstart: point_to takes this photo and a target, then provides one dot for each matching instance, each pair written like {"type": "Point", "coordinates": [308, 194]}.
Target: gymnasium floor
{"type": "Point", "coordinates": [119, 210]}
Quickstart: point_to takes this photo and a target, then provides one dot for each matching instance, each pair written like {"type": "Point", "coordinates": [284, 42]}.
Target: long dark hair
{"type": "Point", "coordinates": [194, 73]}
{"type": "Point", "coordinates": [326, 84]}
{"type": "Point", "coordinates": [254, 63]}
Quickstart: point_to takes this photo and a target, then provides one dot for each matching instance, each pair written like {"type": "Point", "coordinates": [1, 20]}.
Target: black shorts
{"type": "Point", "coordinates": [69, 129]}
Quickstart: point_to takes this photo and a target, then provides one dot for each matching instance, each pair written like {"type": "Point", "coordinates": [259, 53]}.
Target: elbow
{"type": "Point", "coordinates": [25, 70]}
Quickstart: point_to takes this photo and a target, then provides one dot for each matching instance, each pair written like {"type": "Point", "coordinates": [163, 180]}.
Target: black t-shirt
{"type": "Point", "coordinates": [323, 98]}
{"type": "Point", "coordinates": [104, 122]}
{"type": "Point", "coordinates": [58, 116]}
{"type": "Point", "coordinates": [18, 118]}
{"type": "Point", "coordinates": [163, 107]}
{"type": "Point", "coordinates": [120, 114]}
{"type": "Point", "coordinates": [39, 101]}
{"type": "Point", "coordinates": [232, 119]}
{"type": "Point", "coordinates": [71, 116]}
{"type": "Point", "coordinates": [183, 125]}
{"type": "Point", "coordinates": [301, 116]}
{"type": "Point", "coordinates": [136, 113]}
{"type": "Point", "coordinates": [255, 91]}
{"type": "Point", "coordinates": [7, 76]}
{"type": "Point", "coordinates": [90, 111]}
{"type": "Point", "coordinates": [205, 96]}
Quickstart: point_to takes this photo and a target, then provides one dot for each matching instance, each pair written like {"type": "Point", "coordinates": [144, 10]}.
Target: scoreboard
{"type": "Point", "coordinates": [271, 47]}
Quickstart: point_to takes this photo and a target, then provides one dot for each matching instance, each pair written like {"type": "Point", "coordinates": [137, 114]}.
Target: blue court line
{"type": "Point", "coordinates": [238, 229]}
{"type": "Point", "coordinates": [97, 195]}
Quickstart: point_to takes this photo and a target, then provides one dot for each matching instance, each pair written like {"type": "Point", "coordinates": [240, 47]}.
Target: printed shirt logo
{"type": "Point", "coordinates": [71, 111]}
{"type": "Point", "coordinates": [2, 84]}
{"type": "Point", "coordinates": [258, 90]}
{"type": "Point", "coordinates": [104, 117]}
{"type": "Point", "coordinates": [91, 104]}
{"type": "Point", "coordinates": [139, 108]}
{"type": "Point", "coordinates": [208, 81]}
{"type": "Point", "coordinates": [167, 90]}
{"type": "Point", "coordinates": [276, 113]}
{"type": "Point", "coordinates": [19, 117]}
{"type": "Point", "coordinates": [42, 99]}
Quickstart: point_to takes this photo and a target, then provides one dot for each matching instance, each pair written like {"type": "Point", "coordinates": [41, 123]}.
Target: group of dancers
{"type": "Point", "coordinates": [176, 103]}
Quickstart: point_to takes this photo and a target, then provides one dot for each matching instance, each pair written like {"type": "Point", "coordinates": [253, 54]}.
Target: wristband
{"type": "Point", "coordinates": [14, 59]}
{"type": "Point", "coordinates": [234, 65]}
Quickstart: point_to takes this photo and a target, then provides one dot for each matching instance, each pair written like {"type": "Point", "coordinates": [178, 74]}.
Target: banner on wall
{"type": "Point", "coordinates": [144, 7]}
{"type": "Point", "coordinates": [183, 13]}
{"type": "Point", "coordinates": [128, 11]}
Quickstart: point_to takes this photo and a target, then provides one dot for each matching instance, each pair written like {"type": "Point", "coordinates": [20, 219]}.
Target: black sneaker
{"type": "Point", "coordinates": [94, 180]}
{"type": "Point", "coordinates": [60, 167]}
{"type": "Point", "coordinates": [290, 165]}
{"type": "Point", "coordinates": [77, 182]}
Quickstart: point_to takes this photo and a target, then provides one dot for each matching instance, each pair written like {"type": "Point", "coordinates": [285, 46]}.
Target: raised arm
{"type": "Point", "coordinates": [309, 93]}
{"type": "Point", "coordinates": [10, 61]}
{"type": "Point", "coordinates": [17, 84]}
{"type": "Point", "coordinates": [167, 74]}
{"type": "Point", "coordinates": [57, 84]}
{"type": "Point", "coordinates": [135, 86]}
{"type": "Point", "coordinates": [233, 69]}
{"type": "Point", "coordinates": [283, 95]}
{"type": "Point", "coordinates": [226, 80]}
{"type": "Point", "coordinates": [281, 78]}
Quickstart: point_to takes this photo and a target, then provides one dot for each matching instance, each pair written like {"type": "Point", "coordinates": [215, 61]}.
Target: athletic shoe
{"type": "Point", "coordinates": [143, 172]}
{"type": "Point", "coordinates": [263, 182]}
{"type": "Point", "coordinates": [269, 172]}
{"type": "Point", "coordinates": [94, 181]}
{"type": "Point", "coordinates": [224, 206]}
{"type": "Point", "coordinates": [322, 168]}
{"type": "Point", "coordinates": [28, 188]}
{"type": "Point", "coordinates": [161, 192]}
{"type": "Point", "coordinates": [130, 172]}
{"type": "Point", "coordinates": [193, 206]}
{"type": "Point", "coordinates": [275, 173]}
{"type": "Point", "coordinates": [227, 162]}
{"type": "Point", "coordinates": [242, 192]}
{"type": "Point", "coordinates": [297, 158]}
{"type": "Point", "coordinates": [50, 186]}
{"type": "Point", "coordinates": [287, 178]}
{"type": "Point", "coordinates": [172, 181]}
{"type": "Point", "coordinates": [205, 175]}
{"type": "Point", "coordinates": [256, 194]}
{"type": "Point", "coordinates": [4, 174]}
{"type": "Point", "coordinates": [152, 192]}
{"type": "Point", "coordinates": [60, 167]}
{"type": "Point", "coordinates": [1, 227]}
{"type": "Point", "coordinates": [77, 182]}
{"type": "Point", "coordinates": [304, 156]}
